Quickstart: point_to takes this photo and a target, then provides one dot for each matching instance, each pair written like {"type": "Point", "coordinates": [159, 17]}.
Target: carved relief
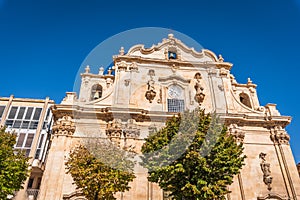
{"type": "Point", "coordinates": [64, 126]}
{"type": "Point", "coordinates": [131, 130]}
{"type": "Point", "coordinates": [265, 168]}
{"type": "Point", "coordinates": [237, 132]}
{"type": "Point", "coordinates": [122, 66]}
{"type": "Point", "coordinates": [114, 131]}
{"type": "Point", "coordinates": [279, 135]}
{"type": "Point", "coordinates": [150, 93]}
{"type": "Point", "coordinates": [199, 97]}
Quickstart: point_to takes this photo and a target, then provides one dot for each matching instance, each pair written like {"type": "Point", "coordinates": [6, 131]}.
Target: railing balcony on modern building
{"type": "Point", "coordinates": [32, 194]}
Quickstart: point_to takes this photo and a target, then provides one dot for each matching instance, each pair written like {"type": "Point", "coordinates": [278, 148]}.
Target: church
{"type": "Point", "coordinates": [145, 87]}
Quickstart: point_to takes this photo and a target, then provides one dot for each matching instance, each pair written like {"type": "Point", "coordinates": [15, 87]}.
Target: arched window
{"type": "Point", "coordinates": [96, 92]}
{"type": "Point", "coordinates": [175, 99]}
{"type": "Point", "coordinates": [244, 99]}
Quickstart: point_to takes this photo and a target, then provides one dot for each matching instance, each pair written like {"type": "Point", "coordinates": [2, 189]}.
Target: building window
{"type": "Point", "coordinates": [30, 183]}
{"type": "Point", "coordinates": [96, 92]}
{"type": "Point", "coordinates": [21, 113]}
{"type": "Point", "coordinates": [175, 99]}
{"type": "Point", "coordinates": [1, 110]}
{"type": "Point", "coordinates": [244, 99]}
{"type": "Point", "coordinates": [29, 113]}
{"type": "Point", "coordinates": [20, 140]}
{"type": "Point", "coordinates": [172, 55]}
{"type": "Point", "coordinates": [37, 114]}
{"type": "Point", "coordinates": [29, 140]}
{"type": "Point", "coordinates": [12, 112]}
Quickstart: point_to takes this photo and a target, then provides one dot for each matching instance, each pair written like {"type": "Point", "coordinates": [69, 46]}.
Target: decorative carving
{"type": "Point", "coordinates": [131, 131]}
{"type": "Point", "coordinates": [114, 131]}
{"type": "Point", "coordinates": [237, 132]}
{"type": "Point", "coordinates": [174, 68]}
{"type": "Point", "coordinates": [279, 135]}
{"type": "Point", "coordinates": [199, 97]}
{"type": "Point", "coordinates": [152, 129]}
{"type": "Point", "coordinates": [127, 81]}
{"type": "Point", "coordinates": [133, 67]}
{"type": "Point", "coordinates": [122, 66]}
{"type": "Point", "coordinates": [265, 168]}
{"type": "Point", "coordinates": [223, 72]}
{"type": "Point", "coordinates": [160, 96]}
{"type": "Point", "coordinates": [221, 87]}
{"type": "Point", "coordinates": [150, 93]}
{"type": "Point", "coordinates": [64, 126]}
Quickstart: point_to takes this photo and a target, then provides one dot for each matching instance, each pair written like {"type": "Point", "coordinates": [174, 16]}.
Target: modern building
{"type": "Point", "coordinates": [145, 87]}
{"type": "Point", "coordinates": [31, 120]}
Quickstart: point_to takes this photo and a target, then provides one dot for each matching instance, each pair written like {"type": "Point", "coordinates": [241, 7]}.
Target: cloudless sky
{"type": "Point", "coordinates": [44, 42]}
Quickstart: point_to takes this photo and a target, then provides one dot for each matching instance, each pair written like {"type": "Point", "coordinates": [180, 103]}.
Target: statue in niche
{"type": "Point", "coordinates": [265, 167]}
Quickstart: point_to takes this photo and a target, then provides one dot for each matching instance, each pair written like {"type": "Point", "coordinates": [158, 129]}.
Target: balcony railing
{"type": "Point", "coordinates": [32, 194]}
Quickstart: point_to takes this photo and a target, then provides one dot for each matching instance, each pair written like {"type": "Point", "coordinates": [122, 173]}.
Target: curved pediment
{"type": "Point", "coordinates": [172, 44]}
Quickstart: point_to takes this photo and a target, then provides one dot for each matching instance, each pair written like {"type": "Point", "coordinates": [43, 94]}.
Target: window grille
{"type": "Point", "coordinates": [175, 105]}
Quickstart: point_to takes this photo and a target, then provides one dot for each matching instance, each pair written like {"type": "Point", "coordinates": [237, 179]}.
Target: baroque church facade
{"type": "Point", "coordinates": [145, 87]}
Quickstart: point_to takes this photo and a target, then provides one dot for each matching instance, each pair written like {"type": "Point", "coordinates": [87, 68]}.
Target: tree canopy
{"type": "Point", "coordinates": [13, 165]}
{"type": "Point", "coordinates": [193, 157]}
{"type": "Point", "coordinates": [100, 170]}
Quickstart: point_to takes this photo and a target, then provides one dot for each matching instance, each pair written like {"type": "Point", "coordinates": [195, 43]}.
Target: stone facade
{"type": "Point", "coordinates": [145, 87]}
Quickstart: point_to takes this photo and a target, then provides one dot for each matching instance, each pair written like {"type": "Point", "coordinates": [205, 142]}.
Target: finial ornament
{"type": "Point", "coordinates": [171, 36]}
{"type": "Point", "coordinates": [109, 71]}
{"type": "Point", "coordinates": [249, 81]}
{"type": "Point", "coordinates": [122, 51]}
{"type": "Point", "coordinates": [221, 59]}
{"type": "Point", "coordinates": [101, 70]}
{"type": "Point", "coordinates": [87, 69]}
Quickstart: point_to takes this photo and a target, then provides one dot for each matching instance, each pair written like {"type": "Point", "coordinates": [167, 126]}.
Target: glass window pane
{"type": "Point", "coordinates": [9, 123]}
{"type": "Point", "coordinates": [33, 125]}
{"type": "Point", "coordinates": [45, 125]}
{"type": "Point", "coordinates": [25, 124]}
{"type": "Point", "coordinates": [41, 141]}
{"type": "Point", "coordinates": [20, 140]}
{"type": "Point", "coordinates": [37, 114]}
{"type": "Point", "coordinates": [30, 183]}
{"type": "Point", "coordinates": [28, 113]}
{"type": "Point", "coordinates": [17, 124]}
{"type": "Point", "coordinates": [27, 152]}
{"type": "Point", "coordinates": [1, 110]}
{"type": "Point", "coordinates": [12, 112]}
{"type": "Point", "coordinates": [48, 113]}
{"type": "Point", "coordinates": [29, 140]}
{"type": "Point", "coordinates": [21, 113]}
{"type": "Point", "coordinates": [37, 154]}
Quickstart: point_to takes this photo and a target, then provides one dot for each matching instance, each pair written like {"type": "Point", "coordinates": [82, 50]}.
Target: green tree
{"type": "Point", "coordinates": [13, 165]}
{"type": "Point", "coordinates": [100, 170]}
{"type": "Point", "coordinates": [193, 157]}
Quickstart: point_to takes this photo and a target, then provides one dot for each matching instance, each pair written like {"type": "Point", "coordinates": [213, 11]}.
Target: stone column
{"type": "Point", "coordinates": [53, 178]}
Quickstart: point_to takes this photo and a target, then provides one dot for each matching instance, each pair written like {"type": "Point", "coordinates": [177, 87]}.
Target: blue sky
{"type": "Point", "coordinates": [44, 42]}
